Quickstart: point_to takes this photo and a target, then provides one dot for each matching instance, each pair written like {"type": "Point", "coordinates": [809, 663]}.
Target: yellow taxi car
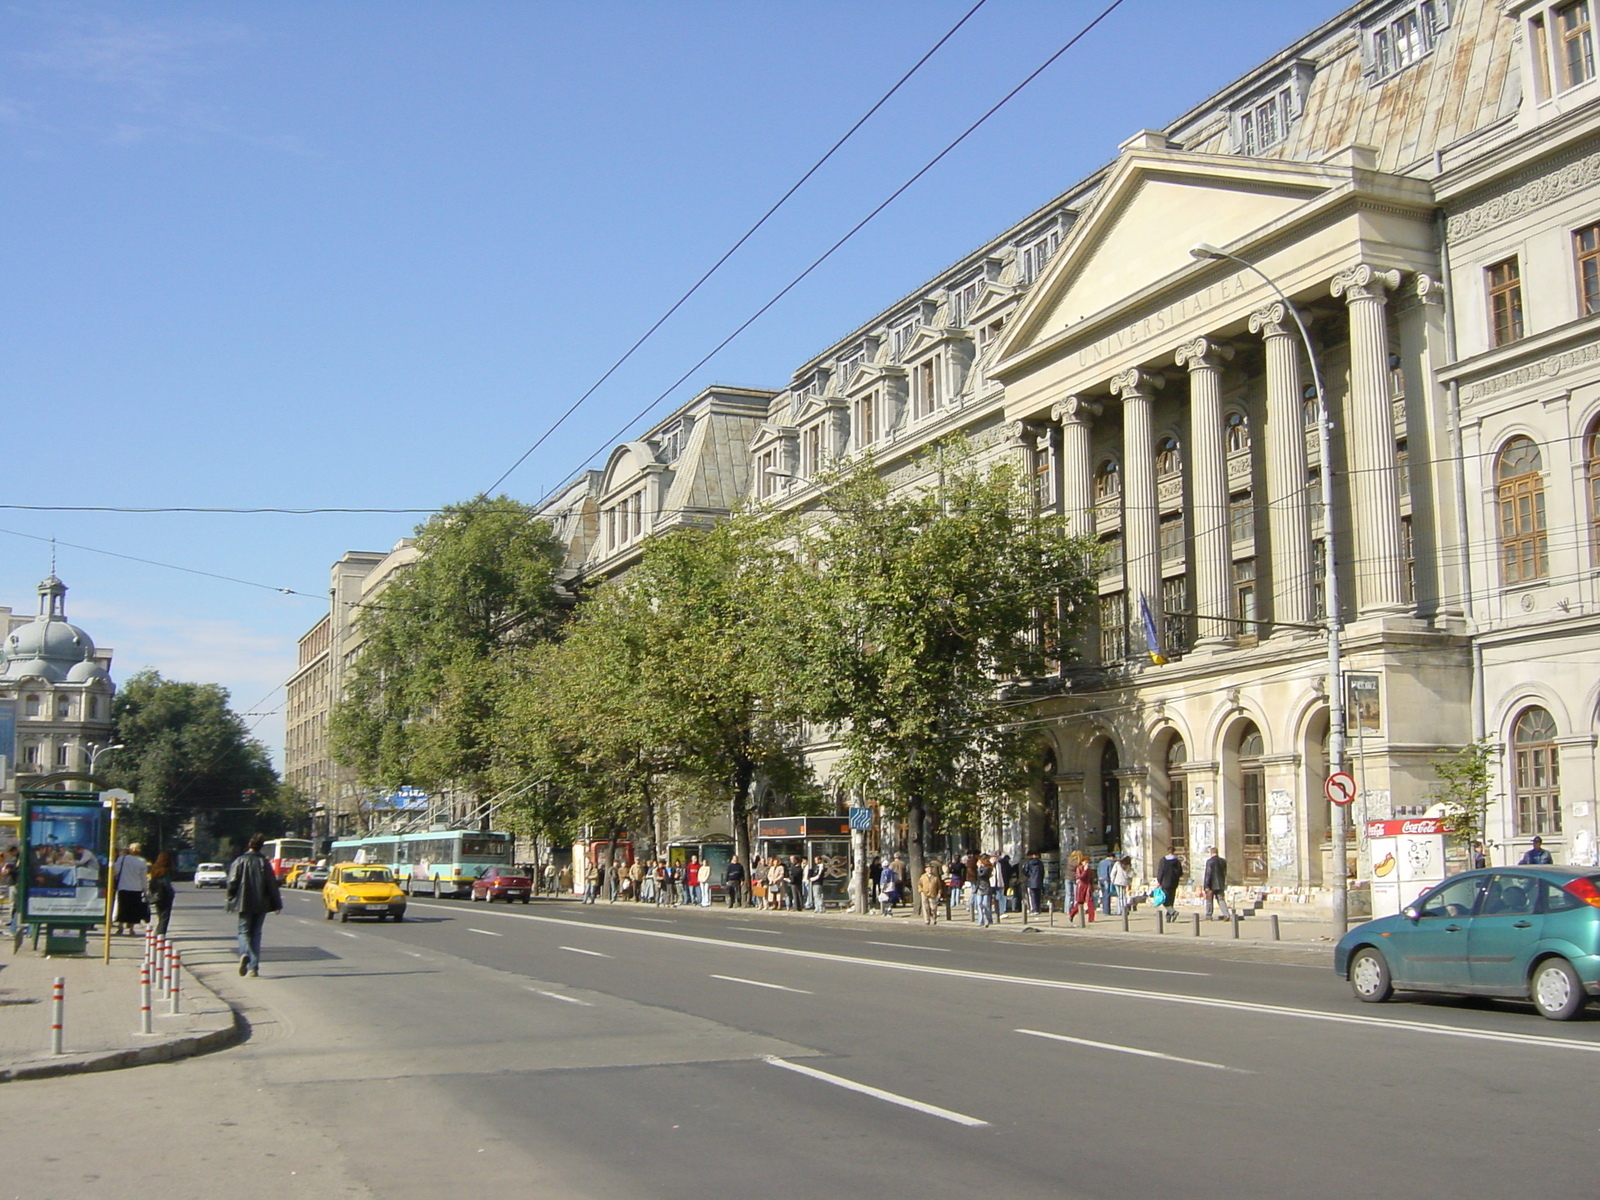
{"type": "Point", "coordinates": [363, 890]}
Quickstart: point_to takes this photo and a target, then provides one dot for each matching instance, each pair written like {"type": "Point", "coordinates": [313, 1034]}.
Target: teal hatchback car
{"type": "Point", "coordinates": [1522, 933]}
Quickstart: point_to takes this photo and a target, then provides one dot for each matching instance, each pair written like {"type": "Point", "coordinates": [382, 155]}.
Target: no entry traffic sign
{"type": "Point", "coordinates": [1340, 788]}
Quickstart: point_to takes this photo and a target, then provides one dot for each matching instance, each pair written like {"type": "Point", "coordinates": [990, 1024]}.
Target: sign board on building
{"type": "Point", "coordinates": [803, 827]}
{"type": "Point", "coordinates": [402, 798]}
{"type": "Point", "coordinates": [1365, 706]}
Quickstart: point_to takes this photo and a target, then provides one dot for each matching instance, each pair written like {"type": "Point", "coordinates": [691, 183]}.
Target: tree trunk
{"type": "Point", "coordinates": [916, 816]}
{"type": "Point", "coordinates": [739, 809]}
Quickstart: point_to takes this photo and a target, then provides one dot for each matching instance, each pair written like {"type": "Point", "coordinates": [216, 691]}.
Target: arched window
{"type": "Point", "coordinates": [1177, 798]}
{"type": "Point", "coordinates": [1107, 480]}
{"type": "Point", "coordinates": [1310, 410]}
{"type": "Point", "coordinates": [1591, 465]}
{"type": "Point", "coordinates": [1238, 430]}
{"type": "Point", "coordinates": [1169, 461]}
{"type": "Point", "coordinates": [1252, 804]}
{"type": "Point", "coordinates": [1537, 773]}
{"type": "Point", "coordinates": [63, 708]}
{"type": "Point", "coordinates": [1523, 554]}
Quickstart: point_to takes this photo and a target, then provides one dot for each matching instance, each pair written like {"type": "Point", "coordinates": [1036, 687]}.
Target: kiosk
{"type": "Point", "coordinates": [1407, 857]}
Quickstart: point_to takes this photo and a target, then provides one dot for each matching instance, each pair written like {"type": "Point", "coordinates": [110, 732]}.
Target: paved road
{"type": "Point", "coordinates": [559, 1050]}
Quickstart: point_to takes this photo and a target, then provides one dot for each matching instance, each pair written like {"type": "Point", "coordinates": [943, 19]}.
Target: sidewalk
{"type": "Point", "coordinates": [101, 1021]}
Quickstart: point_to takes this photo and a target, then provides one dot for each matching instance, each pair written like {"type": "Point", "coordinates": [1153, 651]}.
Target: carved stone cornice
{"type": "Point", "coordinates": [1365, 282]}
{"type": "Point", "coordinates": [1203, 354]}
{"type": "Point", "coordinates": [1546, 189]}
{"type": "Point", "coordinates": [1136, 382]}
{"type": "Point", "coordinates": [1075, 410]}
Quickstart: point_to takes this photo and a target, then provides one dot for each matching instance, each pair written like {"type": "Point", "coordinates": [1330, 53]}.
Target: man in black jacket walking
{"type": "Point", "coordinates": [1214, 883]}
{"type": "Point", "coordinates": [1169, 872]}
{"type": "Point", "coordinates": [252, 893]}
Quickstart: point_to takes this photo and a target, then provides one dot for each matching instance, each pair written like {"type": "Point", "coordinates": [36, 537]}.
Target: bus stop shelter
{"type": "Point", "coordinates": [809, 837]}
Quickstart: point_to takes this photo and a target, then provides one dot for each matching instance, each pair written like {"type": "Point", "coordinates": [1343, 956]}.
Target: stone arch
{"type": "Point", "coordinates": [1242, 801]}
{"type": "Point", "coordinates": [1518, 697]}
{"type": "Point", "coordinates": [1168, 790]}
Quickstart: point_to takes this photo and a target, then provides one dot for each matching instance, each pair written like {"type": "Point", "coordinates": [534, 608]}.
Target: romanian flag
{"type": "Point", "coordinates": [1152, 642]}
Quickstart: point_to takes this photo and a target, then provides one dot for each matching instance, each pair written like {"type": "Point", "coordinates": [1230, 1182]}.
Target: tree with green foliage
{"type": "Point", "coordinates": [1465, 776]}
{"type": "Point", "coordinates": [188, 756]}
{"type": "Point", "coordinates": [420, 696]}
{"type": "Point", "coordinates": [921, 603]}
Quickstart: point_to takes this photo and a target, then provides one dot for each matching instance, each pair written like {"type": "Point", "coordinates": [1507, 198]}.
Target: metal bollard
{"type": "Point", "coordinates": [144, 1000]}
{"type": "Point", "coordinates": [1197, 924]}
{"type": "Point", "coordinates": [1235, 919]}
{"type": "Point", "coordinates": [1274, 919]}
{"type": "Point", "coordinates": [1161, 919]}
{"type": "Point", "coordinates": [177, 976]}
{"type": "Point", "coordinates": [1124, 917]}
{"type": "Point", "coordinates": [1083, 917]}
{"type": "Point", "coordinates": [58, 1010]}
{"type": "Point", "coordinates": [1050, 907]}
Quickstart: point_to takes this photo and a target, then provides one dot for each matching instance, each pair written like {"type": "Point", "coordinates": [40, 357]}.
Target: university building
{"type": "Point", "coordinates": [1420, 182]}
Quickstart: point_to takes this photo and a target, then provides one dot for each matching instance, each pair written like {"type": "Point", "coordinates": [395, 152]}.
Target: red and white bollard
{"type": "Point", "coordinates": [144, 1000]}
{"type": "Point", "coordinates": [58, 1010]}
{"type": "Point", "coordinates": [177, 973]}
{"type": "Point", "coordinates": [164, 963]}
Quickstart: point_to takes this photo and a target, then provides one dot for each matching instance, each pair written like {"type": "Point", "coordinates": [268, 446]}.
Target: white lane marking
{"type": "Point", "coordinates": [777, 987]}
{"type": "Point", "coordinates": [414, 954]}
{"type": "Point", "coordinates": [933, 1110]}
{"type": "Point", "coordinates": [1149, 970]}
{"type": "Point", "coordinates": [1061, 985]}
{"type": "Point", "coordinates": [343, 933]}
{"type": "Point", "coordinates": [754, 929]}
{"type": "Point", "coordinates": [485, 932]}
{"type": "Point", "coordinates": [658, 920]}
{"type": "Point", "coordinates": [1193, 1062]}
{"type": "Point", "coordinates": [559, 996]}
{"type": "Point", "coordinates": [590, 953]}
{"type": "Point", "coordinates": [905, 946]}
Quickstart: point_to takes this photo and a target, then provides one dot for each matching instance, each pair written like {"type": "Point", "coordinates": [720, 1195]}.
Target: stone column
{"type": "Point", "coordinates": [1374, 493]}
{"type": "Point", "coordinates": [1076, 416]}
{"type": "Point", "coordinates": [1140, 516]}
{"type": "Point", "coordinates": [1208, 486]}
{"type": "Point", "coordinates": [1288, 517]}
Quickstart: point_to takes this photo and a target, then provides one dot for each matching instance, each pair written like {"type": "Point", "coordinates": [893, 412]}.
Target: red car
{"type": "Point", "coordinates": [502, 883]}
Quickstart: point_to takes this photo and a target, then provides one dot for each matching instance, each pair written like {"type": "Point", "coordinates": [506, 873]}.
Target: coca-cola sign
{"type": "Point", "coordinates": [1411, 826]}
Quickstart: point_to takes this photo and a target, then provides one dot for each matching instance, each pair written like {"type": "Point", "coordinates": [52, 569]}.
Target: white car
{"type": "Point", "coordinates": [210, 875]}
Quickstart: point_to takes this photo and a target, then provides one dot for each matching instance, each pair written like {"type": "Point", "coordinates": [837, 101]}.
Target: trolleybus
{"type": "Point", "coordinates": [443, 862]}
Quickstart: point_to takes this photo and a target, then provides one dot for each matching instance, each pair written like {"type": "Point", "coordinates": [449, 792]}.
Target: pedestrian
{"type": "Point", "coordinates": [1084, 881]}
{"type": "Point", "coordinates": [552, 878]}
{"type": "Point", "coordinates": [705, 883]}
{"type": "Point", "coordinates": [1169, 872]}
{"type": "Point", "coordinates": [983, 890]}
{"type": "Point", "coordinates": [691, 880]}
{"type": "Point", "coordinates": [252, 893]}
{"type": "Point", "coordinates": [969, 884]}
{"type": "Point", "coordinates": [1102, 878]}
{"type": "Point", "coordinates": [1214, 883]}
{"type": "Point", "coordinates": [593, 880]}
{"type": "Point", "coordinates": [795, 885]}
{"type": "Point", "coordinates": [954, 878]}
{"type": "Point", "coordinates": [733, 882]}
{"type": "Point", "coordinates": [1121, 877]}
{"type": "Point", "coordinates": [888, 884]}
{"type": "Point", "coordinates": [931, 888]}
{"type": "Point", "coordinates": [161, 891]}
{"type": "Point", "coordinates": [636, 878]}
{"type": "Point", "coordinates": [130, 876]}
{"type": "Point", "coordinates": [777, 882]}
{"type": "Point", "coordinates": [564, 879]}
{"type": "Point", "coordinates": [1033, 881]}
{"type": "Point", "coordinates": [1480, 860]}
{"type": "Point", "coordinates": [1004, 877]}
{"type": "Point", "coordinates": [816, 873]}
{"type": "Point", "coordinates": [1537, 855]}
{"type": "Point", "coordinates": [902, 881]}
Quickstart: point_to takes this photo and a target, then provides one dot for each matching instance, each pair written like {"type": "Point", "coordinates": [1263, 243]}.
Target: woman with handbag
{"type": "Point", "coordinates": [161, 891]}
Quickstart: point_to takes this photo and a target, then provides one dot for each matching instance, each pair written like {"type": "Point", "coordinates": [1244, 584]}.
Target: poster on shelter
{"type": "Point", "coordinates": [65, 860]}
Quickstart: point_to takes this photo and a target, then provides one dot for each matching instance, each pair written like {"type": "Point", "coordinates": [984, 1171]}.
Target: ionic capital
{"type": "Point", "coordinates": [1203, 354]}
{"type": "Point", "coordinates": [1273, 321]}
{"type": "Point", "coordinates": [1136, 382]}
{"type": "Point", "coordinates": [1075, 410]}
{"type": "Point", "coordinates": [1365, 282]}
{"type": "Point", "coordinates": [1429, 289]}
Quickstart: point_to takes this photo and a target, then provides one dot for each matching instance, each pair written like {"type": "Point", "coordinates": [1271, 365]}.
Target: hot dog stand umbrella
{"type": "Point", "coordinates": [1407, 857]}
{"type": "Point", "coordinates": [811, 836]}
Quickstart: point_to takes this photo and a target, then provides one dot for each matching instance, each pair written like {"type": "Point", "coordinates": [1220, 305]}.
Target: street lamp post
{"type": "Point", "coordinates": [1330, 585]}
{"type": "Point", "coordinates": [96, 751]}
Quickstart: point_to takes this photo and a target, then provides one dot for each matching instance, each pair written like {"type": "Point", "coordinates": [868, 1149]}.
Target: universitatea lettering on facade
{"type": "Point", "coordinates": [1162, 320]}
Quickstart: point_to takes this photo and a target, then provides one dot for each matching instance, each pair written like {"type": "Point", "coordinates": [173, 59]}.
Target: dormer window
{"type": "Point", "coordinates": [1265, 116]}
{"type": "Point", "coordinates": [963, 299]}
{"type": "Point", "coordinates": [1404, 36]}
{"type": "Point", "coordinates": [925, 388]}
{"type": "Point", "coordinates": [848, 365]}
{"type": "Point", "coordinates": [865, 420]}
{"type": "Point", "coordinates": [1031, 259]}
{"type": "Point", "coordinates": [900, 337]}
{"type": "Point", "coordinates": [811, 452]}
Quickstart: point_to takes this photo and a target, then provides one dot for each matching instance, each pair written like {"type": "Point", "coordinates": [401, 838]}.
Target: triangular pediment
{"type": "Point", "coordinates": [1155, 205]}
{"type": "Point", "coordinates": [927, 337]}
{"type": "Point", "coordinates": [871, 374]}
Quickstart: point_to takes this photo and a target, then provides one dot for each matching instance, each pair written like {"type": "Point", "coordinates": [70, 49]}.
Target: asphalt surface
{"type": "Point", "coordinates": [562, 1050]}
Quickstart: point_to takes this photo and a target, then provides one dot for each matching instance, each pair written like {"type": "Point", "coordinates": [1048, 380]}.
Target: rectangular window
{"type": "Point", "coordinates": [1408, 562]}
{"type": "Point", "coordinates": [925, 388]}
{"type": "Point", "coordinates": [1505, 302]}
{"type": "Point", "coordinates": [1034, 257]}
{"type": "Point", "coordinates": [1522, 528]}
{"type": "Point", "coordinates": [1244, 596]}
{"type": "Point", "coordinates": [1111, 556]}
{"type": "Point", "coordinates": [1113, 628]}
{"type": "Point", "coordinates": [1172, 538]}
{"type": "Point", "coordinates": [766, 481]}
{"type": "Point", "coordinates": [63, 756]}
{"type": "Point", "coordinates": [1538, 790]}
{"type": "Point", "coordinates": [1575, 43]}
{"type": "Point", "coordinates": [900, 337]}
{"type": "Point", "coordinates": [30, 755]}
{"type": "Point", "coordinates": [1044, 489]}
{"type": "Point", "coordinates": [1178, 629]}
{"type": "Point", "coordinates": [1241, 517]}
{"type": "Point", "coordinates": [1586, 252]}
{"type": "Point", "coordinates": [1319, 579]}
{"type": "Point", "coordinates": [811, 452]}
{"type": "Point", "coordinates": [963, 299]}
{"type": "Point", "coordinates": [1402, 467]}
{"type": "Point", "coordinates": [1540, 37]}
{"type": "Point", "coordinates": [866, 420]}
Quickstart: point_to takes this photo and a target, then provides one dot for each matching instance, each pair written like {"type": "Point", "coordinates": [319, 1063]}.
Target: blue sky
{"type": "Point", "coordinates": [362, 254]}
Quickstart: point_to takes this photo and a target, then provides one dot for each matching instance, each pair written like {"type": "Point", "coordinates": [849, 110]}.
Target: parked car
{"type": "Point", "coordinates": [311, 878]}
{"type": "Point", "coordinates": [1522, 933]}
{"type": "Point", "coordinates": [363, 890]}
{"type": "Point", "coordinates": [210, 875]}
{"type": "Point", "coordinates": [502, 883]}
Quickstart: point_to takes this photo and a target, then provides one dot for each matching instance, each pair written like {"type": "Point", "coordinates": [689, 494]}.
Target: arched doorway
{"type": "Point", "coordinates": [1110, 796]}
{"type": "Point", "coordinates": [1043, 833]}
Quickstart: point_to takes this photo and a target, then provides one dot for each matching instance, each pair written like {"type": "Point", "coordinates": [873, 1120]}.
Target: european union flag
{"type": "Point", "coordinates": [1152, 642]}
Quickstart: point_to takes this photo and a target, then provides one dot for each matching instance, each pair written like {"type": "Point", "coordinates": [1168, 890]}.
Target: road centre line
{"type": "Point", "coordinates": [346, 933]}
{"type": "Point", "coordinates": [590, 953]}
{"type": "Point", "coordinates": [754, 929]}
{"type": "Point", "coordinates": [559, 996]}
{"type": "Point", "coordinates": [658, 920]}
{"type": "Point", "coordinates": [1060, 985]}
{"type": "Point", "coordinates": [777, 987]}
{"type": "Point", "coordinates": [933, 1110]}
{"type": "Point", "coordinates": [485, 932]}
{"type": "Point", "coordinates": [906, 946]}
{"type": "Point", "coordinates": [1193, 1062]}
{"type": "Point", "coordinates": [1151, 970]}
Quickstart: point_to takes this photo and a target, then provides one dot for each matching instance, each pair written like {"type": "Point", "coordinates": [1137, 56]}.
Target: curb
{"type": "Point", "coordinates": [176, 1048]}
